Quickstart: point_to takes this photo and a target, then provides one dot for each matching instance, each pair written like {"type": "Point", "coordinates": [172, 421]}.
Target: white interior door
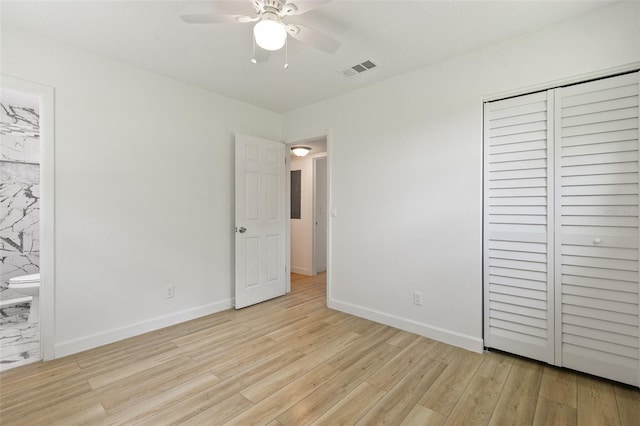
{"type": "Point", "coordinates": [320, 207]}
{"type": "Point", "coordinates": [561, 241]}
{"type": "Point", "coordinates": [518, 226]}
{"type": "Point", "coordinates": [597, 228]}
{"type": "Point", "coordinates": [260, 220]}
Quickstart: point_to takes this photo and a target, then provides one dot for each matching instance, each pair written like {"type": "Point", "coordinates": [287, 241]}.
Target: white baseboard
{"type": "Point", "coordinates": [99, 339]}
{"type": "Point", "coordinates": [301, 271]}
{"type": "Point", "coordinates": [436, 333]}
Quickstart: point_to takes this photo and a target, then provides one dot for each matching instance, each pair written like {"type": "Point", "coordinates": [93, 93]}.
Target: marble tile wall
{"type": "Point", "coordinates": [19, 339]}
{"type": "Point", "coordinates": [19, 229]}
{"type": "Point", "coordinates": [19, 193]}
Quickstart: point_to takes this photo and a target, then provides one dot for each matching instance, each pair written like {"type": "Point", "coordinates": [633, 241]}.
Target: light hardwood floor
{"type": "Point", "coordinates": [292, 361]}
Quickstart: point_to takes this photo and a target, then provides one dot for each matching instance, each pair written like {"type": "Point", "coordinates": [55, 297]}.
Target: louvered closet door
{"type": "Point", "coordinates": [597, 227]}
{"type": "Point", "coordinates": [518, 222]}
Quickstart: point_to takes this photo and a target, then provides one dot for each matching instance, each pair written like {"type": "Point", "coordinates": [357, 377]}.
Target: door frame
{"type": "Point", "coordinates": [47, 206]}
{"type": "Point", "coordinates": [300, 141]}
{"type": "Point", "coordinates": [314, 233]}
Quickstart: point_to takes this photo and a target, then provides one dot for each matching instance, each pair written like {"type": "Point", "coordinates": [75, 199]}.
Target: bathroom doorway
{"type": "Point", "coordinates": [26, 219]}
{"type": "Point", "coordinates": [309, 207]}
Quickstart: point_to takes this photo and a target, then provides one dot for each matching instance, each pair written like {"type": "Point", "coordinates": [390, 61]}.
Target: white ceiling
{"type": "Point", "coordinates": [398, 35]}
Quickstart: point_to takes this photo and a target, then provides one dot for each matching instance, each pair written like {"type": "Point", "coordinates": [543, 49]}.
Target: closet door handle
{"type": "Point", "coordinates": [597, 241]}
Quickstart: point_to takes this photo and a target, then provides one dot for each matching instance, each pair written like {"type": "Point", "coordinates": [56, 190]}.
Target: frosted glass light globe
{"type": "Point", "coordinates": [269, 34]}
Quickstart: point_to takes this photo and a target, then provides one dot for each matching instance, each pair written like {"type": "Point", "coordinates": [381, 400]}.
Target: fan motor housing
{"type": "Point", "coordinates": [261, 6]}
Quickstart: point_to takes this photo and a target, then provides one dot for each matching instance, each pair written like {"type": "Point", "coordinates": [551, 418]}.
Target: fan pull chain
{"type": "Point", "coordinates": [253, 58]}
{"type": "Point", "coordinates": [286, 52]}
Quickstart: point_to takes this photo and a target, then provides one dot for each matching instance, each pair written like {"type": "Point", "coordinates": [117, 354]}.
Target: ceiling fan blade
{"type": "Point", "coordinates": [313, 37]}
{"type": "Point", "coordinates": [302, 6]}
{"type": "Point", "coordinates": [206, 18]}
{"type": "Point", "coordinates": [260, 55]}
{"type": "Point", "coordinates": [231, 7]}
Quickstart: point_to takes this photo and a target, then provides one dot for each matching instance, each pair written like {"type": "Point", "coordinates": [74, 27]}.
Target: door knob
{"type": "Point", "coordinates": [597, 241]}
{"type": "Point", "coordinates": [242, 230]}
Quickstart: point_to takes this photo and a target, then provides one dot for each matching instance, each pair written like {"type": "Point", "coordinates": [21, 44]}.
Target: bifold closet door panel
{"type": "Point", "coordinates": [518, 221]}
{"type": "Point", "coordinates": [596, 198]}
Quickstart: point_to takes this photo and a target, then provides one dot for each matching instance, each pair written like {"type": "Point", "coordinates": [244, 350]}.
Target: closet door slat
{"type": "Point", "coordinates": [518, 219]}
{"type": "Point", "coordinates": [596, 228]}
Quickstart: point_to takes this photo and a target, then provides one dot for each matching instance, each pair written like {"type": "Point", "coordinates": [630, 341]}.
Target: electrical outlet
{"type": "Point", "coordinates": [170, 290]}
{"type": "Point", "coordinates": [417, 298]}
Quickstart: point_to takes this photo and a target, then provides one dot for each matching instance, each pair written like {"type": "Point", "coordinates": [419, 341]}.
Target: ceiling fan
{"type": "Point", "coordinates": [270, 31]}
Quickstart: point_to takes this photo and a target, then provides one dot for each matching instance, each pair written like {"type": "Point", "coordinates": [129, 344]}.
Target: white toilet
{"type": "Point", "coordinates": [29, 285]}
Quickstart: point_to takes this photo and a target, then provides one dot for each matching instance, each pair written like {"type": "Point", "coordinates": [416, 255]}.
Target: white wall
{"type": "Point", "coordinates": [302, 229]}
{"type": "Point", "coordinates": [143, 187]}
{"type": "Point", "coordinates": [406, 172]}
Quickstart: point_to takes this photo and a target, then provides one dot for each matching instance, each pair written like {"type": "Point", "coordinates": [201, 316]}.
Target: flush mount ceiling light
{"type": "Point", "coordinates": [300, 151]}
{"type": "Point", "coordinates": [269, 33]}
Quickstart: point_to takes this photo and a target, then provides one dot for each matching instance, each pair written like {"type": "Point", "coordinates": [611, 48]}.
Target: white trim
{"type": "Point", "coordinates": [554, 155]}
{"type": "Point", "coordinates": [287, 212]}
{"type": "Point", "coordinates": [607, 72]}
{"type": "Point", "coordinates": [447, 336]}
{"type": "Point", "coordinates": [47, 206]}
{"type": "Point", "coordinates": [301, 271]}
{"type": "Point", "coordinates": [638, 378]}
{"type": "Point", "coordinates": [314, 220]}
{"type": "Point", "coordinates": [99, 339]}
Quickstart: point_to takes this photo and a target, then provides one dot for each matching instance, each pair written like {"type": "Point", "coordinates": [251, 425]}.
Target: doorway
{"type": "Point", "coordinates": [26, 297]}
{"type": "Point", "coordinates": [309, 226]}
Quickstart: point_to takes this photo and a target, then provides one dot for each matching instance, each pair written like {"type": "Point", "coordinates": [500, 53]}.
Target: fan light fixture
{"type": "Point", "coordinates": [300, 151]}
{"type": "Point", "coordinates": [269, 33]}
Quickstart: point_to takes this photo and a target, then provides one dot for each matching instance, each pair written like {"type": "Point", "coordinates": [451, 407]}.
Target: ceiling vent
{"type": "Point", "coordinates": [358, 68]}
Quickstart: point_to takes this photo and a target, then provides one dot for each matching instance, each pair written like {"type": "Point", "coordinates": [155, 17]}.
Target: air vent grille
{"type": "Point", "coordinates": [358, 69]}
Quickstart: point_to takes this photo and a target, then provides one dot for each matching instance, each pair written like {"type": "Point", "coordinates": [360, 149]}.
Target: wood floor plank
{"type": "Point", "coordinates": [221, 412]}
{"type": "Point", "coordinates": [477, 403]}
{"type": "Point", "coordinates": [397, 368]}
{"type": "Point", "coordinates": [495, 366]}
{"type": "Point", "coordinates": [133, 368]}
{"type": "Point", "coordinates": [553, 413]}
{"type": "Point", "coordinates": [399, 401]}
{"type": "Point", "coordinates": [442, 352]}
{"type": "Point", "coordinates": [161, 400]}
{"type": "Point", "coordinates": [518, 401]}
{"type": "Point", "coordinates": [189, 407]}
{"type": "Point", "coordinates": [23, 373]}
{"type": "Point", "coordinates": [274, 405]}
{"type": "Point", "coordinates": [34, 377]}
{"type": "Point", "coordinates": [85, 416]}
{"type": "Point", "coordinates": [628, 405]}
{"type": "Point", "coordinates": [321, 400]}
{"type": "Point", "coordinates": [33, 387]}
{"type": "Point", "coordinates": [263, 388]}
{"type": "Point", "coordinates": [451, 384]}
{"type": "Point", "coordinates": [293, 361]}
{"type": "Point", "coordinates": [307, 324]}
{"type": "Point", "coordinates": [597, 403]}
{"type": "Point", "coordinates": [559, 385]}
{"type": "Point", "coordinates": [123, 356]}
{"type": "Point", "coordinates": [422, 416]}
{"type": "Point", "coordinates": [129, 391]}
{"type": "Point", "coordinates": [352, 407]}
{"type": "Point", "coordinates": [402, 339]}
{"type": "Point", "coordinates": [48, 396]}
{"type": "Point", "coordinates": [359, 348]}
{"type": "Point", "coordinates": [54, 410]}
